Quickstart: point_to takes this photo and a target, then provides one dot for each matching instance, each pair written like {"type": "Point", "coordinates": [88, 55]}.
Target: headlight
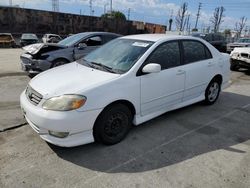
{"type": "Point", "coordinates": [65, 102]}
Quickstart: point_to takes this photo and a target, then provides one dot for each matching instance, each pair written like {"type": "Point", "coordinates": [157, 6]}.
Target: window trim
{"type": "Point", "coordinates": [139, 71]}
{"type": "Point", "coordinates": [208, 56]}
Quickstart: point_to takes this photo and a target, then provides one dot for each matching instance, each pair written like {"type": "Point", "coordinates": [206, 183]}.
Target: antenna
{"type": "Point", "coordinates": [55, 5]}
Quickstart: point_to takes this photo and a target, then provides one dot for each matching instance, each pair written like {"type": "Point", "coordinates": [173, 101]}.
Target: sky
{"type": "Point", "coordinates": [153, 11]}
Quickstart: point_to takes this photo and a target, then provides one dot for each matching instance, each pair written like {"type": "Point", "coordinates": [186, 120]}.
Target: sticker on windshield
{"type": "Point", "coordinates": [140, 44]}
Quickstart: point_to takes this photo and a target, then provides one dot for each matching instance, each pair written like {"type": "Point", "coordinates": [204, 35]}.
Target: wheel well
{"type": "Point", "coordinates": [126, 103]}
{"type": "Point", "coordinates": [61, 58]}
{"type": "Point", "coordinates": [218, 77]}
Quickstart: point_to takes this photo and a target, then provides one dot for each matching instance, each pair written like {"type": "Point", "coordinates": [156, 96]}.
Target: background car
{"type": "Point", "coordinates": [216, 39]}
{"type": "Point", "coordinates": [242, 42]}
{"type": "Point", "coordinates": [129, 80]}
{"type": "Point", "coordinates": [28, 38]}
{"type": "Point", "coordinates": [51, 38]}
{"type": "Point", "coordinates": [7, 40]}
{"type": "Point", "coordinates": [41, 57]}
{"type": "Point", "coordinates": [240, 58]}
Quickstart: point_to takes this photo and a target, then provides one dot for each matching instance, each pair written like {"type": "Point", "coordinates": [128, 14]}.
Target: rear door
{"type": "Point", "coordinates": [199, 67]}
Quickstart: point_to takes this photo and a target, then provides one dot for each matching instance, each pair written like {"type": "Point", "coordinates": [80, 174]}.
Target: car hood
{"type": "Point", "coordinates": [35, 48]}
{"type": "Point", "coordinates": [242, 50]}
{"type": "Point", "coordinates": [69, 79]}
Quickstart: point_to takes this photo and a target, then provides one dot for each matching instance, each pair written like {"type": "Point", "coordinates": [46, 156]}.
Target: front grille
{"type": "Point", "coordinates": [245, 55]}
{"type": "Point", "coordinates": [33, 96]}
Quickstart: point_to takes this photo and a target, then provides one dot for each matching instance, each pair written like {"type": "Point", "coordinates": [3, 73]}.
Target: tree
{"type": "Point", "coordinates": [180, 17]}
{"type": "Point", "coordinates": [115, 14]}
{"type": "Point", "coordinates": [217, 18]}
{"type": "Point", "coordinates": [239, 26]}
{"type": "Point", "coordinates": [227, 31]}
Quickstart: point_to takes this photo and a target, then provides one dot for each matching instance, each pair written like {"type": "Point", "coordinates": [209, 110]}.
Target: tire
{"type": "Point", "coordinates": [234, 67]}
{"type": "Point", "coordinates": [59, 62]}
{"type": "Point", "coordinates": [212, 92]}
{"type": "Point", "coordinates": [113, 124]}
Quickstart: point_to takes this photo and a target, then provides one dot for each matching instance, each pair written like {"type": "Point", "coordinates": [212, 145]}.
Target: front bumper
{"type": "Point", "coordinates": [78, 124]}
{"type": "Point", "coordinates": [34, 65]}
{"type": "Point", "coordinates": [244, 63]}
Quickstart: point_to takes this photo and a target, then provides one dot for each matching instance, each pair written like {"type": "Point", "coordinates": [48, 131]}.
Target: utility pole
{"type": "Point", "coordinates": [10, 3]}
{"type": "Point", "coordinates": [128, 13]}
{"type": "Point", "coordinates": [198, 15]}
{"type": "Point", "coordinates": [90, 7]}
{"type": "Point", "coordinates": [110, 6]}
{"type": "Point", "coordinates": [55, 5]}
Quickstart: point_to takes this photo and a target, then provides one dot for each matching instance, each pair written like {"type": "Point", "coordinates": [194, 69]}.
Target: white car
{"type": "Point", "coordinates": [127, 81]}
{"type": "Point", "coordinates": [51, 38]}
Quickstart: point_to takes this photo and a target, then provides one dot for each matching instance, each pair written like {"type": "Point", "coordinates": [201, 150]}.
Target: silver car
{"type": "Point", "coordinates": [41, 57]}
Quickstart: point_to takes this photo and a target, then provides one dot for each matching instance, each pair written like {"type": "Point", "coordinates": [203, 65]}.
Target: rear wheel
{"type": "Point", "coordinates": [113, 124]}
{"type": "Point", "coordinates": [212, 92]}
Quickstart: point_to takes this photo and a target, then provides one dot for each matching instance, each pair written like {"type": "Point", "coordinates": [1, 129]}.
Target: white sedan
{"type": "Point", "coordinates": [128, 81]}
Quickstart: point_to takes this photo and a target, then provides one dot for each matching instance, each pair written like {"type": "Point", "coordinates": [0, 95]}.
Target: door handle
{"type": "Point", "coordinates": [180, 72]}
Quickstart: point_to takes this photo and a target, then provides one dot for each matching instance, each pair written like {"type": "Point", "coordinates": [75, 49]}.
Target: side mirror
{"type": "Point", "coordinates": [81, 46]}
{"type": "Point", "coordinates": [151, 68]}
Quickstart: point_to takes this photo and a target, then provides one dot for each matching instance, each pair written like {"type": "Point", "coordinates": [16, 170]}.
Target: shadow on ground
{"type": "Point", "coordinates": [171, 138]}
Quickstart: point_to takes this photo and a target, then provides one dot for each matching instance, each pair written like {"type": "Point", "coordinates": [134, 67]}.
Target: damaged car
{"type": "Point", "coordinates": [240, 58]}
{"type": "Point", "coordinates": [51, 38]}
{"type": "Point", "coordinates": [40, 57]}
{"type": "Point", "coordinates": [242, 42]}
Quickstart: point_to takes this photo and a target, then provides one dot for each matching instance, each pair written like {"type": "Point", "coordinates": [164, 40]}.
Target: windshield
{"type": "Point", "coordinates": [244, 40]}
{"type": "Point", "coordinates": [29, 36]}
{"type": "Point", "coordinates": [69, 41]}
{"type": "Point", "coordinates": [118, 55]}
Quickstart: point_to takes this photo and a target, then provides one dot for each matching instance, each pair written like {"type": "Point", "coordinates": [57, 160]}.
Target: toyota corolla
{"type": "Point", "coordinates": [126, 82]}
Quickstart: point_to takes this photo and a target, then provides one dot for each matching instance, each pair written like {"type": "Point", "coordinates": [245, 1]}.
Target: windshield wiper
{"type": "Point", "coordinates": [105, 67]}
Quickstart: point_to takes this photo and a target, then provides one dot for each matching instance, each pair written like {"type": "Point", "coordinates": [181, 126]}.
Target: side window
{"type": "Point", "coordinates": [167, 55]}
{"type": "Point", "coordinates": [195, 51]}
{"type": "Point", "coordinates": [107, 38]}
{"type": "Point", "coordinates": [93, 41]}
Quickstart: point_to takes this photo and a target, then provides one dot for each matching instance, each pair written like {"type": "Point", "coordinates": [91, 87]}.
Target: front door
{"type": "Point", "coordinates": [160, 91]}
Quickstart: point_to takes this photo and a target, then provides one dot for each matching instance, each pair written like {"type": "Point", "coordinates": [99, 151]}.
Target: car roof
{"type": "Point", "coordinates": [157, 37]}
{"type": "Point", "coordinates": [99, 32]}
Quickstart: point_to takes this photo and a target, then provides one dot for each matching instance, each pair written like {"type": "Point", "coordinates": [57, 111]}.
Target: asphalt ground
{"type": "Point", "coordinates": [196, 146]}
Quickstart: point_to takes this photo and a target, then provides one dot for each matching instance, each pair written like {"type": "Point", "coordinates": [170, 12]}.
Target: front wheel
{"type": "Point", "coordinates": [212, 92]}
{"type": "Point", "coordinates": [113, 124]}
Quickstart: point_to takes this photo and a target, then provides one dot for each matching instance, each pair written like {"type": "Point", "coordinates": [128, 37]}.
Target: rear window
{"type": "Point", "coordinates": [195, 51]}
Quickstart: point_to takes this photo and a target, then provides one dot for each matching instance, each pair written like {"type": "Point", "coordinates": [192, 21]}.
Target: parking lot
{"type": "Point", "coordinates": [196, 146]}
